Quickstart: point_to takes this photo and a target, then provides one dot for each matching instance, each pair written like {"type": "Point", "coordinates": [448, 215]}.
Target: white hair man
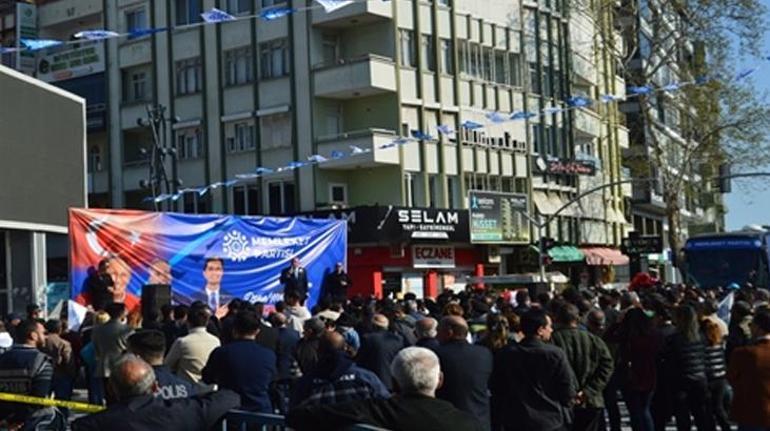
{"type": "Point", "coordinates": [426, 330]}
{"type": "Point", "coordinates": [416, 376]}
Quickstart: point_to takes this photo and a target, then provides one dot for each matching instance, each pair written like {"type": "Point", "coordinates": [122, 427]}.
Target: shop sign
{"type": "Point", "coordinates": [642, 245]}
{"type": "Point", "coordinates": [433, 256]}
{"type": "Point", "coordinates": [498, 217]}
{"type": "Point", "coordinates": [26, 28]}
{"type": "Point", "coordinates": [391, 224]}
{"type": "Point", "coordinates": [566, 166]}
{"type": "Point", "coordinates": [71, 63]}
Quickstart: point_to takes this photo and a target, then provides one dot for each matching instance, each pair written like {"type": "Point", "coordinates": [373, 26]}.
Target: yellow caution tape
{"type": "Point", "coordinates": [50, 402]}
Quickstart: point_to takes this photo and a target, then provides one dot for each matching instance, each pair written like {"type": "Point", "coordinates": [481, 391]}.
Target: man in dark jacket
{"type": "Point", "coordinates": [466, 369]}
{"type": "Point", "coordinates": [336, 378]}
{"type": "Point", "coordinates": [417, 374]}
{"type": "Point", "coordinates": [26, 370]}
{"type": "Point", "coordinates": [150, 345]}
{"type": "Point", "coordinates": [532, 383]}
{"type": "Point", "coordinates": [137, 409]}
{"type": "Point", "coordinates": [243, 365]}
{"type": "Point", "coordinates": [294, 280]}
{"type": "Point", "coordinates": [426, 331]}
{"type": "Point", "coordinates": [267, 336]}
{"type": "Point", "coordinates": [591, 363]}
{"type": "Point", "coordinates": [337, 284]}
{"type": "Point", "coordinates": [378, 348]}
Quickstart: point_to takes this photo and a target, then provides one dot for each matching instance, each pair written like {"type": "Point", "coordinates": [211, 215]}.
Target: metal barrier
{"type": "Point", "coordinates": [249, 421]}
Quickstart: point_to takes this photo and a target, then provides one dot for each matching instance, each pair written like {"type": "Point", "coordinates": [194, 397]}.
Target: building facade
{"type": "Point", "coordinates": [256, 93]}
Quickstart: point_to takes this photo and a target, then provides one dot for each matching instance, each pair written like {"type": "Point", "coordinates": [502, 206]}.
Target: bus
{"type": "Point", "coordinates": [720, 259]}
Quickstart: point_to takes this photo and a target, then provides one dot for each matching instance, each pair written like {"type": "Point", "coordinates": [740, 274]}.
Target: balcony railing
{"type": "Point", "coordinates": [360, 76]}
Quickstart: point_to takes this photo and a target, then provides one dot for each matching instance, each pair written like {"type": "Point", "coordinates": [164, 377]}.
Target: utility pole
{"type": "Point", "coordinates": [158, 181]}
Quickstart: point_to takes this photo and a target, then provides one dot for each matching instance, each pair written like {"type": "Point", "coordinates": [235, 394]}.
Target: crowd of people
{"type": "Point", "coordinates": [474, 360]}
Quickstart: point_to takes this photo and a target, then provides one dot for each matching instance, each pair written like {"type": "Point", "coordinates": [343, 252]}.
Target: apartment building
{"type": "Point", "coordinates": [651, 35]}
{"type": "Point", "coordinates": [257, 93]}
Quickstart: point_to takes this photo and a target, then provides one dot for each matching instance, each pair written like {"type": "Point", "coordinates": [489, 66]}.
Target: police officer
{"type": "Point", "coordinates": [25, 370]}
{"type": "Point", "coordinates": [150, 346]}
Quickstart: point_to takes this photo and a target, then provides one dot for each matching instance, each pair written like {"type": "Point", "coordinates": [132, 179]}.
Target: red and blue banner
{"type": "Point", "coordinates": [171, 248]}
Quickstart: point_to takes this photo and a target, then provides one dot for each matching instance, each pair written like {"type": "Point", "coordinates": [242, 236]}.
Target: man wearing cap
{"type": "Point", "coordinates": [150, 346]}
{"type": "Point", "coordinates": [379, 348]}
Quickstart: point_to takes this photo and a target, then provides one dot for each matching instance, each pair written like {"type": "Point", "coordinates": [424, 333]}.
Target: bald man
{"type": "Point", "coordinates": [466, 368]}
{"type": "Point", "coordinates": [134, 385]}
{"type": "Point", "coordinates": [379, 348]}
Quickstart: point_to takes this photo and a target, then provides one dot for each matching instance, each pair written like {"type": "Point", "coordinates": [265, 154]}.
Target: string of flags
{"type": "Point", "coordinates": [493, 118]}
{"type": "Point", "coordinates": [211, 16]}
{"type": "Point", "coordinates": [217, 16]}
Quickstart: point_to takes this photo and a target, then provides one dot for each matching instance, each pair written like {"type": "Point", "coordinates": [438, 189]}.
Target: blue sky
{"type": "Point", "coordinates": [749, 202]}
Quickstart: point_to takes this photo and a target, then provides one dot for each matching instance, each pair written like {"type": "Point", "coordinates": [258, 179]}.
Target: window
{"type": "Point", "coordinates": [275, 131]}
{"type": "Point", "coordinates": [241, 138]}
{"type": "Point", "coordinates": [445, 2]}
{"type": "Point", "coordinates": [136, 19]}
{"type": "Point", "coordinates": [94, 159]}
{"type": "Point", "coordinates": [238, 66]}
{"type": "Point", "coordinates": [246, 200]}
{"type": "Point", "coordinates": [188, 11]}
{"type": "Point", "coordinates": [500, 72]}
{"type": "Point", "coordinates": [546, 82]}
{"type": "Point", "coordinates": [268, 3]}
{"type": "Point", "coordinates": [195, 204]}
{"type": "Point", "coordinates": [475, 59]}
{"type": "Point", "coordinates": [409, 191]}
{"type": "Point", "coordinates": [338, 194]}
{"type": "Point", "coordinates": [486, 62]}
{"type": "Point", "coordinates": [331, 48]}
{"type": "Point", "coordinates": [188, 144]}
{"type": "Point", "coordinates": [407, 48]}
{"type": "Point", "coordinates": [462, 55]}
{"type": "Point", "coordinates": [534, 79]}
{"type": "Point", "coordinates": [447, 57]}
{"type": "Point", "coordinates": [237, 6]}
{"type": "Point", "coordinates": [274, 59]}
{"type": "Point", "coordinates": [281, 198]}
{"type": "Point", "coordinates": [189, 76]}
{"type": "Point", "coordinates": [452, 189]}
{"type": "Point", "coordinates": [433, 191]}
{"type": "Point", "coordinates": [136, 85]}
{"type": "Point", "coordinates": [428, 53]}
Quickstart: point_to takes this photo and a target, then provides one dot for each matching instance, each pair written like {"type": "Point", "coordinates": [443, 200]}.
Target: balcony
{"type": "Point", "coordinates": [587, 124]}
{"type": "Point", "coordinates": [583, 69]}
{"type": "Point", "coordinates": [355, 14]}
{"type": "Point", "coordinates": [367, 140]}
{"type": "Point", "coordinates": [358, 77]}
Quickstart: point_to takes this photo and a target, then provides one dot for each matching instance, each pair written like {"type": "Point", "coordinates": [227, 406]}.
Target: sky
{"type": "Point", "coordinates": [749, 202]}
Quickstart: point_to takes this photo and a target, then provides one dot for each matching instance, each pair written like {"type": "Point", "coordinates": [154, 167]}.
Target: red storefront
{"type": "Point", "coordinates": [419, 250]}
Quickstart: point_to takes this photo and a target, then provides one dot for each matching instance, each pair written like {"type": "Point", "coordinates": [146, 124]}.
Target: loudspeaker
{"type": "Point", "coordinates": [154, 296]}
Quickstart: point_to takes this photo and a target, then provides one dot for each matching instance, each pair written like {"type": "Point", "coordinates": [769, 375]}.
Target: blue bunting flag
{"type": "Point", "coordinates": [471, 125]}
{"type": "Point", "coordinates": [422, 136]}
{"type": "Point", "coordinates": [640, 90]}
{"type": "Point", "coordinates": [37, 44]}
{"type": "Point", "coordinates": [96, 34]}
{"type": "Point", "coordinates": [332, 5]}
{"type": "Point", "coordinates": [215, 15]}
{"type": "Point", "coordinates": [444, 129]}
{"type": "Point", "coordinates": [275, 13]}
{"type": "Point", "coordinates": [496, 117]}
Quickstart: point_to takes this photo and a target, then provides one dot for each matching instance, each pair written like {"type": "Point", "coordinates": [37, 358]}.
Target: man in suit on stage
{"type": "Point", "coordinates": [294, 280]}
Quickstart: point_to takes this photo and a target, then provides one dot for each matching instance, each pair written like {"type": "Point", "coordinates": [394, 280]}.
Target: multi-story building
{"type": "Point", "coordinates": [257, 93]}
{"type": "Point", "coordinates": [661, 128]}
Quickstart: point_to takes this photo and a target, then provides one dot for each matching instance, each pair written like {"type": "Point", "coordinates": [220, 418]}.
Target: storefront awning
{"type": "Point", "coordinates": [543, 203]}
{"type": "Point", "coordinates": [566, 253]}
{"type": "Point", "coordinates": [604, 256]}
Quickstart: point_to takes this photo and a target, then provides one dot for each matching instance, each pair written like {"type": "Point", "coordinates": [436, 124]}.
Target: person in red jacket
{"type": "Point", "coordinates": [749, 375]}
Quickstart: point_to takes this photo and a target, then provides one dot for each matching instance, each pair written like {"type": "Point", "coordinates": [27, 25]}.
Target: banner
{"type": "Point", "coordinates": [498, 217]}
{"type": "Point", "coordinates": [177, 249]}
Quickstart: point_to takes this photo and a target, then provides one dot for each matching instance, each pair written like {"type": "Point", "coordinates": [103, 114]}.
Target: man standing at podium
{"type": "Point", "coordinates": [294, 280]}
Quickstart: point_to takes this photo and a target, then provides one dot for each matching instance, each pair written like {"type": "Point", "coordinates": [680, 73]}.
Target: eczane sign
{"type": "Point", "coordinates": [433, 256]}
